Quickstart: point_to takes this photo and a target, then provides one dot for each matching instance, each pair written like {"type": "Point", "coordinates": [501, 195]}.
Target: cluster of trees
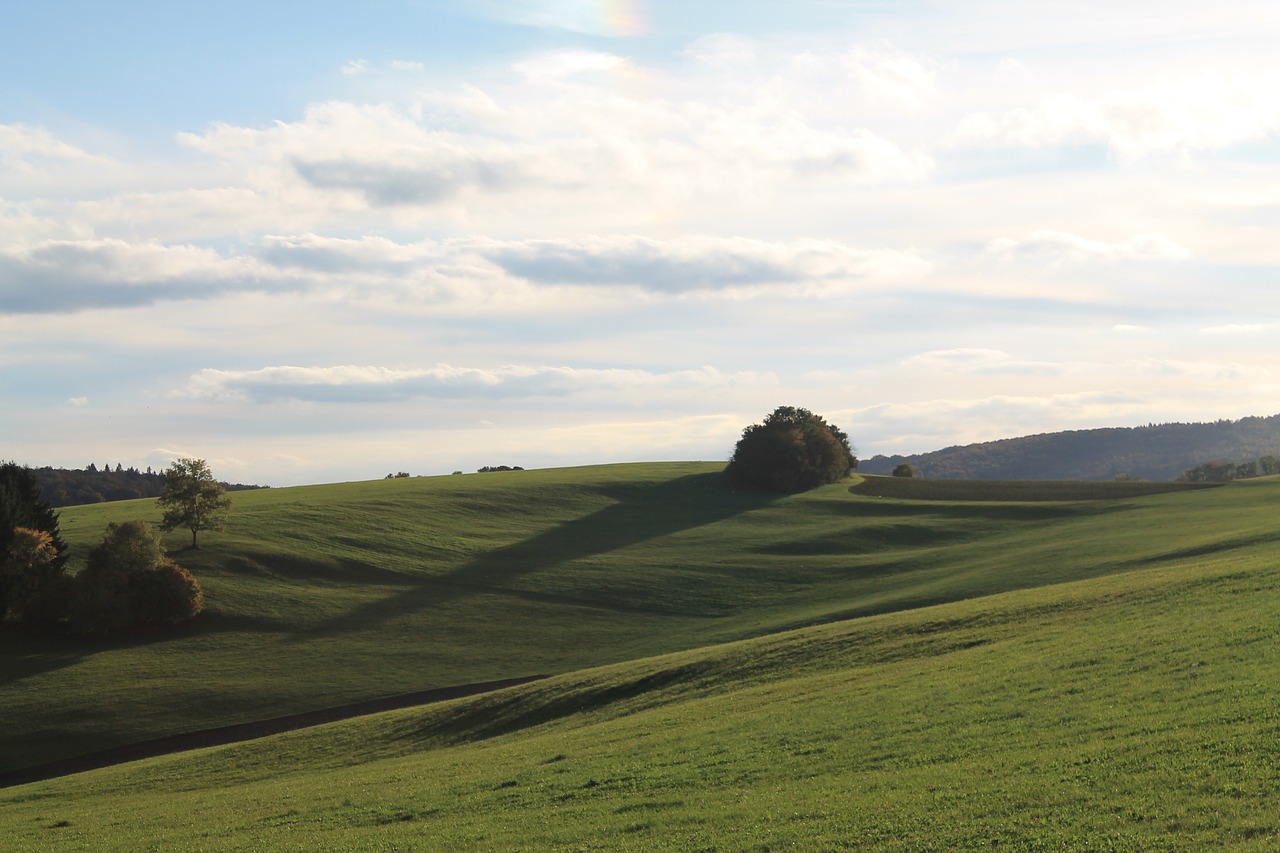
{"type": "Point", "coordinates": [486, 469]}
{"type": "Point", "coordinates": [793, 450]}
{"type": "Point", "coordinates": [1223, 472]}
{"type": "Point", "coordinates": [399, 475]}
{"type": "Point", "coordinates": [91, 484]}
{"type": "Point", "coordinates": [1151, 452]}
{"type": "Point", "coordinates": [128, 584]}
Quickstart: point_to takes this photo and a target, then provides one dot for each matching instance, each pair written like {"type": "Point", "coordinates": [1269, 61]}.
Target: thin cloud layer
{"type": "Point", "coordinates": [1203, 113]}
{"type": "Point", "coordinates": [349, 384]}
{"type": "Point", "coordinates": [1054, 247]}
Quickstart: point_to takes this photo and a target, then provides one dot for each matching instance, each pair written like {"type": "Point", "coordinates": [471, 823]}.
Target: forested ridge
{"type": "Point", "coordinates": [74, 486]}
{"type": "Point", "coordinates": [1152, 452]}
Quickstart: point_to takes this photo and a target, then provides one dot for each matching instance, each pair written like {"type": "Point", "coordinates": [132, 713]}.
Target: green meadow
{"type": "Point", "coordinates": [875, 664]}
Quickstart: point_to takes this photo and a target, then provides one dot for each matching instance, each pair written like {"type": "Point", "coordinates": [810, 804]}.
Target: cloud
{"type": "Point", "coordinates": [336, 255]}
{"type": "Point", "coordinates": [687, 264]}
{"type": "Point", "coordinates": [568, 64]}
{"type": "Point", "coordinates": [1239, 329]}
{"type": "Point", "coordinates": [976, 361]}
{"type": "Point", "coordinates": [425, 177]}
{"type": "Point", "coordinates": [1057, 248]}
{"type": "Point", "coordinates": [24, 148]}
{"type": "Point", "coordinates": [355, 66]}
{"type": "Point", "coordinates": [698, 263]}
{"type": "Point", "coordinates": [1209, 112]}
{"type": "Point", "coordinates": [62, 276]}
{"type": "Point", "coordinates": [59, 276]}
{"type": "Point", "coordinates": [371, 384]}
{"type": "Point", "coordinates": [553, 144]}
{"type": "Point", "coordinates": [885, 75]}
{"type": "Point", "coordinates": [36, 163]}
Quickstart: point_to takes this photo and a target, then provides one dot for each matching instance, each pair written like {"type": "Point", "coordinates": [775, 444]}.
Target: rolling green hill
{"type": "Point", "coordinates": [838, 667]}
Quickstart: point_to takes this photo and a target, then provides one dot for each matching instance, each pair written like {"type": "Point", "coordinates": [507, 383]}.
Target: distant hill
{"type": "Point", "coordinates": [75, 486]}
{"type": "Point", "coordinates": [1153, 452]}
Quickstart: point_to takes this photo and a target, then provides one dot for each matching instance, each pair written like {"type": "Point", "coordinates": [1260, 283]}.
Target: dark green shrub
{"type": "Point", "coordinates": [129, 583]}
{"type": "Point", "coordinates": [792, 451]}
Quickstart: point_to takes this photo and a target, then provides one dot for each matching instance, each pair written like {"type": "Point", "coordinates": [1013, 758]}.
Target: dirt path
{"type": "Point", "coordinates": [246, 731]}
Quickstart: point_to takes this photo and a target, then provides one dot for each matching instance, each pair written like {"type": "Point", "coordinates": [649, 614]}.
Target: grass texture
{"type": "Point", "coordinates": [1082, 674]}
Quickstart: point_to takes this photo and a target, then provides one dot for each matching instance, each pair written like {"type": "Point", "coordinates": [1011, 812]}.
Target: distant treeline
{"type": "Point", "coordinates": [1225, 472]}
{"type": "Point", "coordinates": [73, 486]}
{"type": "Point", "coordinates": [1152, 452]}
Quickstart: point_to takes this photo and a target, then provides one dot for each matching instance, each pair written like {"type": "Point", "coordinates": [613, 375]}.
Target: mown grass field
{"type": "Point", "coordinates": [1083, 674]}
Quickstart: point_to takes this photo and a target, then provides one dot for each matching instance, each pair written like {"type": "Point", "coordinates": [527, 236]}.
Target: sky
{"type": "Point", "coordinates": [318, 241]}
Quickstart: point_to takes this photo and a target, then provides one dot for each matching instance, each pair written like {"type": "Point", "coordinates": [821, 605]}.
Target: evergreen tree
{"type": "Point", "coordinates": [21, 505]}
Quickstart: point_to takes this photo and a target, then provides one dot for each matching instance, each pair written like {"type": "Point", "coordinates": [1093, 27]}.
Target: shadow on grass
{"type": "Point", "coordinates": [22, 656]}
{"type": "Point", "coordinates": [642, 513]}
{"type": "Point", "coordinates": [973, 510]}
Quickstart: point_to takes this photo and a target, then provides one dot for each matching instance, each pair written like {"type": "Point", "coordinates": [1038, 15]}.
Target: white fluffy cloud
{"type": "Point", "coordinates": [587, 127]}
{"type": "Point", "coordinates": [59, 276]}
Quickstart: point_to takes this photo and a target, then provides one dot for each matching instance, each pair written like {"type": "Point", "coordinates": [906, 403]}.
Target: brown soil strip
{"type": "Point", "coordinates": [247, 731]}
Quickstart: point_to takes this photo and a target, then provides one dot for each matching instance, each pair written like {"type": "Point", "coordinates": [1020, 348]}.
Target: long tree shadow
{"type": "Point", "coordinates": [642, 513]}
{"type": "Point", "coordinates": [23, 656]}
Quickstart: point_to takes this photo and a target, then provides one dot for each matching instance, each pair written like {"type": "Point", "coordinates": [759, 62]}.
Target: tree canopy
{"type": "Point", "coordinates": [22, 505]}
{"type": "Point", "coordinates": [192, 499]}
{"type": "Point", "coordinates": [793, 450]}
{"type": "Point", "coordinates": [130, 584]}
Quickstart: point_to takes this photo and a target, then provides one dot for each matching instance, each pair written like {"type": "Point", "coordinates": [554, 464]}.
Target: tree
{"type": "Point", "coordinates": [904, 469]}
{"type": "Point", "coordinates": [792, 451]}
{"type": "Point", "coordinates": [192, 499]}
{"type": "Point", "coordinates": [21, 505]}
{"type": "Point", "coordinates": [130, 583]}
{"type": "Point", "coordinates": [33, 586]}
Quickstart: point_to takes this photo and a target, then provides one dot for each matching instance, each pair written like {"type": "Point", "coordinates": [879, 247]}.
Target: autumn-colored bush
{"type": "Point", "coordinates": [129, 583]}
{"type": "Point", "coordinates": [34, 590]}
{"type": "Point", "coordinates": [166, 595]}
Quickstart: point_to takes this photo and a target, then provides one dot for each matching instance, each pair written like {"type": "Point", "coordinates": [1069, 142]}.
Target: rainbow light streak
{"type": "Point", "coordinates": [624, 17]}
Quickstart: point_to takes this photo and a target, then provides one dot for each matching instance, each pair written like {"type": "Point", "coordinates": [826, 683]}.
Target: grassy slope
{"type": "Point", "coordinates": [326, 595]}
{"type": "Point", "coordinates": [1127, 712]}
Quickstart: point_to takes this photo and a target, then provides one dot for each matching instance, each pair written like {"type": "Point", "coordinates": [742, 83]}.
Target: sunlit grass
{"type": "Point", "coordinates": [321, 596]}
{"type": "Point", "coordinates": [1131, 712]}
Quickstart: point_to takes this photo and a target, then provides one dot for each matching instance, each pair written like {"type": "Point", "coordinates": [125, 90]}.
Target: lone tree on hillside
{"type": "Point", "coordinates": [904, 469]}
{"type": "Point", "coordinates": [192, 499]}
{"type": "Point", "coordinates": [792, 451]}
